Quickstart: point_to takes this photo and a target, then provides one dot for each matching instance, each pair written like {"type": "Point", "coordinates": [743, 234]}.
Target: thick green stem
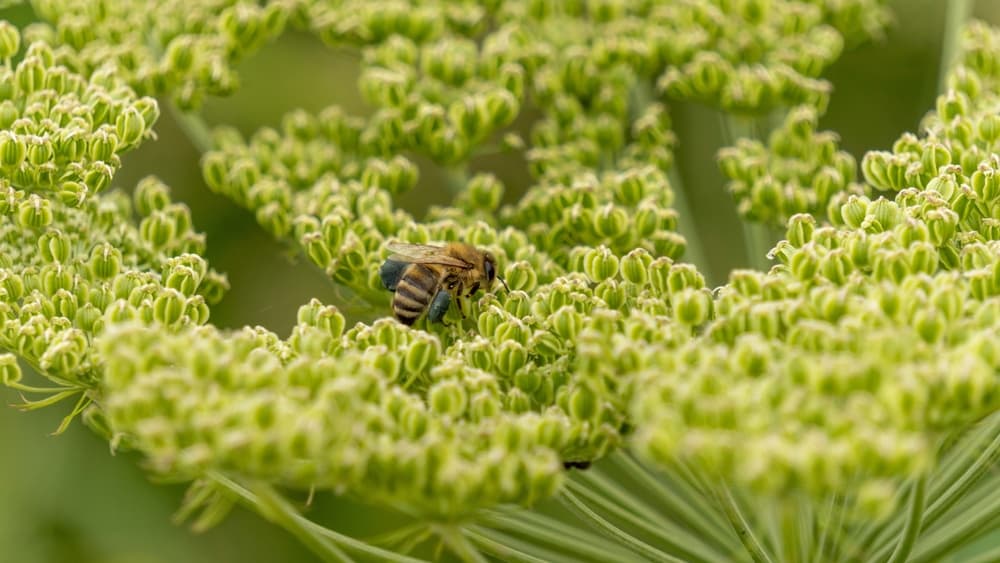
{"type": "Point", "coordinates": [957, 12]}
{"type": "Point", "coordinates": [757, 237]}
{"type": "Point", "coordinates": [587, 514]}
{"type": "Point", "coordinates": [194, 127]}
{"type": "Point", "coordinates": [695, 250]}
{"type": "Point", "coordinates": [742, 527]}
{"type": "Point", "coordinates": [913, 521]}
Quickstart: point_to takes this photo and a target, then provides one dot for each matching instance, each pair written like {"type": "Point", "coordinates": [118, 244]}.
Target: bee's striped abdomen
{"type": "Point", "coordinates": [414, 291]}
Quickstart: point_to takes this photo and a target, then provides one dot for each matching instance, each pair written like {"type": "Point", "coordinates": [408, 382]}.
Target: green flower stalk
{"type": "Point", "coordinates": [841, 405]}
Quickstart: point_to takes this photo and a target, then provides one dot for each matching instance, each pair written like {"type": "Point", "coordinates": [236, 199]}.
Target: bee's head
{"type": "Point", "coordinates": [490, 267]}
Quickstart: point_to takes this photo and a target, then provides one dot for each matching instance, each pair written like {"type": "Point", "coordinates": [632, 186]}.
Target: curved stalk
{"type": "Point", "coordinates": [586, 513]}
{"type": "Point", "coordinates": [268, 503]}
{"type": "Point", "coordinates": [692, 512]}
{"type": "Point", "coordinates": [509, 548]}
{"type": "Point", "coordinates": [742, 528]}
{"type": "Point", "coordinates": [556, 533]}
{"type": "Point", "coordinates": [913, 521]}
{"type": "Point", "coordinates": [193, 126]}
{"type": "Point", "coordinates": [669, 533]}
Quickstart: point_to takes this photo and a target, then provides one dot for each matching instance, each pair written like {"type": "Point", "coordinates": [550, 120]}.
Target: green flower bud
{"type": "Point", "coordinates": [500, 107]}
{"type": "Point", "coordinates": [583, 403]}
{"type": "Point", "coordinates": [566, 322]}
{"type": "Point", "coordinates": [88, 319]}
{"type": "Point", "coordinates": [65, 304]}
{"type": "Point", "coordinates": [158, 229]}
{"type": "Point", "coordinates": [854, 211]}
{"type": "Point", "coordinates": [34, 213]}
{"type": "Point", "coordinates": [800, 229]}
{"type": "Point", "coordinates": [40, 150]}
{"type": "Point", "coordinates": [986, 183]}
{"type": "Point", "coordinates": [521, 276]}
{"type": "Point", "coordinates": [485, 191]}
{"type": "Point", "coordinates": [484, 406]}
{"type": "Point", "coordinates": [396, 176]}
{"type": "Point", "coordinates": [10, 40]}
{"type": "Point", "coordinates": [130, 127]}
{"type": "Point", "coordinates": [610, 221]}
{"type": "Point", "coordinates": [422, 353]}
{"type": "Point", "coordinates": [54, 246]}
{"type": "Point", "coordinates": [692, 307]}
{"type": "Point", "coordinates": [316, 249]}
{"type": "Point", "coordinates": [510, 357]}
{"type": "Point", "coordinates": [684, 276]}
{"type": "Point", "coordinates": [952, 104]}
{"type": "Point", "coordinates": [988, 128]}
{"type": "Point", "coordinates": [12, 285]}
{"type": "Point", "coordinates": [29, 76]}
{"type": "Point", "coordinates": [215, 171]}
{"type": "Point", "coordinates": [669, 244]}
{"type": "Point", "coordinates": [13, 150]}
{"type": "Point", "coordinates": [635, 266]}
{"type": "Point", "coordinates": [882, 215]}
{"type": "Point", "coordinates": [151, 195]}
{"type": "Point", "coordinates": [448, 398]}
{"type": "Point", "coordinates": [836, 265]}
{"type": "Point", "coordinates": [942, 224]}
{"type": "Point", "coordinates": [924, 258]}
{"type": "Point", "coordinates": [517, 401]}
{"type": "Point", "coordinates": [169, 307]}
{"type": "Point", "coordinates": [213, 287]}
{"type": "Point", "coordinates": [600, 264]}
{"type": "Point", "coordinates": [489, 320]}
{"type": "Point", "coordinates": [612, 293]}
{"type": "Point", "coordinates": [546, 344]}
{"type": "Point", "coordinates": [659, 271]}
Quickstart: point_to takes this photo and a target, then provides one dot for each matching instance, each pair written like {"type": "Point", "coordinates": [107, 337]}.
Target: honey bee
{"type": "Point", "coordinates": [426, 278]}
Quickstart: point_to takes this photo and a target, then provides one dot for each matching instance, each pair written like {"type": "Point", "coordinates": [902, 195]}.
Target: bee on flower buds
{"type": "Point", "coordinates": [425, 277]}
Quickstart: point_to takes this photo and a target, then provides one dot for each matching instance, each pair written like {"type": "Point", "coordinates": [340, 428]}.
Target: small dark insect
{"type": "Point", "coordinates": [581, 465]}
{"type": "Point", "coordinates": [426, 277]}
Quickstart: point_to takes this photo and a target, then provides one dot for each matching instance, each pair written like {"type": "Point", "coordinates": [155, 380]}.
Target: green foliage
{"type": "Point", "coordinates": [788, 412]}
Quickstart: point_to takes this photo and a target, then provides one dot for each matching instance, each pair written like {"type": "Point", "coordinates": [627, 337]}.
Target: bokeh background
{"type": "Point", "coordinates": [68, 499]}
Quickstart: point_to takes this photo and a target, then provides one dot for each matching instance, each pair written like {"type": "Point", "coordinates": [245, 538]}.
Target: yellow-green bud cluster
{"type": "Point", "coordinates": [753, 56]}
{"type": "Point", "coordinates": [89, 266]}
{"type": "Point", "coordinates": [444, 421]}
{"type": "Point", "coordinates": [62, 133]}
{"type": "Point", "coordinates": [840, 369]}
{"type": "Point", "coordinates": [313, 184]}
{"type": "Point", "coordinates": [798, 170]}
{"type": "Point", "coordinates": [185, 49]}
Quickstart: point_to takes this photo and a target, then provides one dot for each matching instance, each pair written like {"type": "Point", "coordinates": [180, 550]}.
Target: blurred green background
{"type": "Point", "coordinates": [67, 499]}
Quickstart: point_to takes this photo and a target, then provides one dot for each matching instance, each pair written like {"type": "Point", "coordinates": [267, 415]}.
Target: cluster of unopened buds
{"type": "Point", "coordinates": [833, 374]}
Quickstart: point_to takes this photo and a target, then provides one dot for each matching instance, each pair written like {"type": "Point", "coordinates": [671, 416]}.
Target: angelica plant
{"type": "Point", "coordinates": [838, 403]}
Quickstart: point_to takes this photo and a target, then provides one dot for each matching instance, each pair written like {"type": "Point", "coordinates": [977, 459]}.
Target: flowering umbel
{"type": "Point", "coordinates": [859, 371]}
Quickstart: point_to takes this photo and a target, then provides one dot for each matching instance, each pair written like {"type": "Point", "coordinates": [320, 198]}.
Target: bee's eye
{"type": "Point", "coordinates": [490, 271]}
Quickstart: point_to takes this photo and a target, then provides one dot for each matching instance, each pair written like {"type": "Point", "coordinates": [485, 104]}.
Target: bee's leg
{"type": "Point", "coordinates": [461, 306]}
{"type": "Point", "coordinates": [472, 290]}
{"type": "Point", "coordinates": [439, 306]}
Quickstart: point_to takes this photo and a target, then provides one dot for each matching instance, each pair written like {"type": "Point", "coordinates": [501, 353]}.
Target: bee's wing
{"type": "Point", "coordinates": [424, 254]}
